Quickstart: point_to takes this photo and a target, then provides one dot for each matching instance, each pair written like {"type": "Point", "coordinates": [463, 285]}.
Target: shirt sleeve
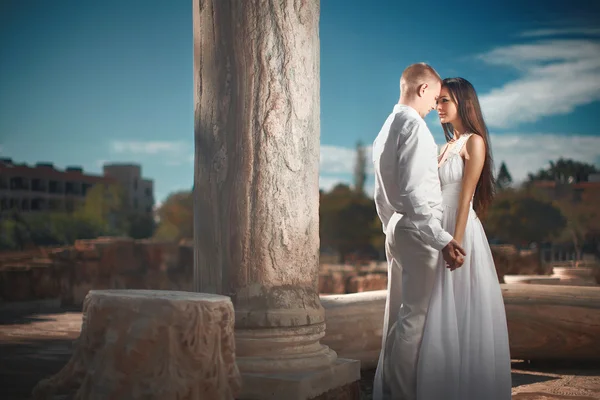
{"type": "Point", "coordinates": [404, 164]}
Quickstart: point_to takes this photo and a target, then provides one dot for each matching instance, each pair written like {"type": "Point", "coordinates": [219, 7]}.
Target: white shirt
{"type": "Point", "coordinates": [407, 185]}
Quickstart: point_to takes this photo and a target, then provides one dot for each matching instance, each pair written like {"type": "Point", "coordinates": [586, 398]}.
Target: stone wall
{"type": "Point", "coordinates": [121, 263]}
{"type": "Point", "coordinates": [103, 263]}
{"type": "Point", "coordinates": [343, 279]}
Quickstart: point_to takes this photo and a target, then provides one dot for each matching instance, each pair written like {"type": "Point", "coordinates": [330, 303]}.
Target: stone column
{"type": "Point", "coordinates": [256, 189]}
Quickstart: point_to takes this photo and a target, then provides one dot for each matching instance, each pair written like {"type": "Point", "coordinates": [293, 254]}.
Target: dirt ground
{"type": "Point", "coordinates": [34, 346]}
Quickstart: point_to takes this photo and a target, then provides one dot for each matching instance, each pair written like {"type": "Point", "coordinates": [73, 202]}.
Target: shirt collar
{"type": "Point", "coordinates": [404, 108]}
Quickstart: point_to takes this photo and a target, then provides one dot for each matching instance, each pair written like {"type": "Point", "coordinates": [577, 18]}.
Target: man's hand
{"type": "Point", "coordinates": [454, 255]}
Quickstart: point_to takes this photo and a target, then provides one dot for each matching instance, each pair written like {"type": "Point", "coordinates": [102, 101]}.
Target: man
{"type": "Point", "coordinates": [408, 199]}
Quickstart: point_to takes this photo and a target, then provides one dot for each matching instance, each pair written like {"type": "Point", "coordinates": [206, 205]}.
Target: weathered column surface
{"type": "Point", "coordinates": [146, 344]}
{"type": "Point", "coordinates": [256, 76]}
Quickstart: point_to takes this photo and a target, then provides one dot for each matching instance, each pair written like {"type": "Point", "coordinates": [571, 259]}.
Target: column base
{"type": "Point", "coordinates": [338, 381]}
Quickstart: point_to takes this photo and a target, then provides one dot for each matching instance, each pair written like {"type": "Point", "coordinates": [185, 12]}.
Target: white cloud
{"type": "Point", "coordinates": [147, 147]}
{"type": "Point", "coordinates": [336, 159]}
{"type": "Point", "coordinates": [561, 32]}
{"type": "Point", "coordinates": [173, 153]}
{"type": "Point", "coordinates": [341, 160]}
{"type": "Point", "coordinates": [525, 153]}
{"type": "Point", "coordinates": [557, 76]}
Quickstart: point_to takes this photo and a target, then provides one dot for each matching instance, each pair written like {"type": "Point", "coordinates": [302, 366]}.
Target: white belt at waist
{"type": "Point", "coordinates": [451, 197]}
{"type": "Point", "coordinates": [451, 193]}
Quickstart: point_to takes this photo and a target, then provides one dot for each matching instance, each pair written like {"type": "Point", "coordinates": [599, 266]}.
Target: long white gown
{"type": "Point", "coordinates": [464, 354]}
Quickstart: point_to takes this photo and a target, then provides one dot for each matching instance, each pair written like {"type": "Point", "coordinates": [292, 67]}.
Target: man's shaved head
{"type": "Point", "coordinates": [415, 75]}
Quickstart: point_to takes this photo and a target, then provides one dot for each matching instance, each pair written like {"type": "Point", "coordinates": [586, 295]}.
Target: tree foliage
{"type": "Point", "coordinates": [176, 217]}
{"type": "Point", "coordinates": [103, 213]}
{"type": "Point", "coordinates": [582, 221]}
{"type": "Point", "coordinates": [346, 221]}
{"type": "Point", "coordinates": [105, 206]}
{"type": "Point", "coordinates": [504, 179]}
{"type": "Point", "coordinates": [520, 217]}
{"type": "Point", "coordinates": [565, 170]}
{"type": "Point", "coordinates": [19, 231]}
{"type": "Point", "coordinates": [360, 169]}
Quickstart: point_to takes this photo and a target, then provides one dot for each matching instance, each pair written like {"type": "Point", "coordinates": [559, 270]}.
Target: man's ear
{"type": "Point", "coordinates": [422, 88]}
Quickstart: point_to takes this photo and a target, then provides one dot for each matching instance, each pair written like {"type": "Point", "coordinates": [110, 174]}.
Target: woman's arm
{"type": "Point", "coordinates": [474, 160]}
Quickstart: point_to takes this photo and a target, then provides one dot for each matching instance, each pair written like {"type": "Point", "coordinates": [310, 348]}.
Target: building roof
{"type": "Point", "coordinates": [47, 171]}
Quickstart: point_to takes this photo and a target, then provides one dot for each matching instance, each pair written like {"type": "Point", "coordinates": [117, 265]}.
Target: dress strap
{"type": "Point", "coordinates": [460, 143]}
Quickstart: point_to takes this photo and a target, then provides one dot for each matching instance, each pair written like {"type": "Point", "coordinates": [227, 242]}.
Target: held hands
{"type": "Point", "coordinates": [454, 255]}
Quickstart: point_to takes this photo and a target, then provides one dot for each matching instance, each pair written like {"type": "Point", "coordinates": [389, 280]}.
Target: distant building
{"type": "Point", "coordinates": [139, 192]}
{"type": "Point", "coordinates": [42, 187]}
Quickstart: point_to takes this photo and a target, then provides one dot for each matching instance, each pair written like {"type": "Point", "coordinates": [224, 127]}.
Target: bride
{"type": "Point", "coordinates": [465, 353]}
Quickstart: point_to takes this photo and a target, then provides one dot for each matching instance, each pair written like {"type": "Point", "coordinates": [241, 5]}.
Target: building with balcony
{"type": "Point", "coordinates": [42, 187]}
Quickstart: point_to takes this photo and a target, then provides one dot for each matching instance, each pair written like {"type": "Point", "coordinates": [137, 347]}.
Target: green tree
{"type": "Point", "coordinates": [8, 240]}
{"type": "Point", "coordinates": [176, 217]}
{"type": "Point", "coordinates": [582, 221]}
{"type": "Point", "coordinates": [66, 228]}
{"type": "Point", "coordinates": [140, 225]}
{"type": "Point", "coordinates": [377, 236]}
{"type": "Point", "coordinates": [504, 179]}
{"type": "Point", "coordinates": [360, 169]}
{"type": "Point", "coordinates": [105, 207]}
{"type": "Point", "coordinates": [565, 170]}
{"type": "Point", "coordinates": [346, 220]}
{"type": "Point", "coordinates": [46, 229]}
{"type": "Point", "coordinates": [520, 218]}
{"type": "Point", "coordinates": [330, 205]}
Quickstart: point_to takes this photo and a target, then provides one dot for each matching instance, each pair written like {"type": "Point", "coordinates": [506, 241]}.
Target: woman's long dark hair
{"type": "Point", "coordinates": [469, 111]}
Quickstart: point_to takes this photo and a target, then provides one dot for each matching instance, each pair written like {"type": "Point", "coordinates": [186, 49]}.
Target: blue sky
{"type": "Point", "coordinates": [84, 83]}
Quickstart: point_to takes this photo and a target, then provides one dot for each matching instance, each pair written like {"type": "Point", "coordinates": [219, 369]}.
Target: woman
{"type": "Point", "coordinates": [464, 353]}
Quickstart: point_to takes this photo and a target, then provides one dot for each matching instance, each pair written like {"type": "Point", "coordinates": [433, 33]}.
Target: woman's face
{"type": "Point", "coordinates": [446, 107]}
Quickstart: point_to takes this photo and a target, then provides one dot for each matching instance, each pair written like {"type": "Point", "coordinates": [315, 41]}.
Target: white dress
{"type": "Point", "coordinates": [464, 354]}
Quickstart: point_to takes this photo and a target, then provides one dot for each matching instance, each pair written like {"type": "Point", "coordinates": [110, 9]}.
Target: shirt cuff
{"type": "Point", "coordinates": [442, 240]}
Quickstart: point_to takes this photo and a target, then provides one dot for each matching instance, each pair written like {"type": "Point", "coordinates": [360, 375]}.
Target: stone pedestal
{"type": "Point", "coordinates": [355, 324]}
{"type": "Point", "coordinates": [256, 186]}
{"type": "Point", "coordinates": [144, 344]}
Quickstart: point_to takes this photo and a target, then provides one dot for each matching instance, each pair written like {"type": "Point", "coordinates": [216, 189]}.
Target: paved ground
{"type": "Point", "coordinates": [34, 346]}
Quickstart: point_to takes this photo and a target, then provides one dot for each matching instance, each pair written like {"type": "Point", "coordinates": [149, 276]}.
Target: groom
{"type": "Point", "coordinates": [408, 199]}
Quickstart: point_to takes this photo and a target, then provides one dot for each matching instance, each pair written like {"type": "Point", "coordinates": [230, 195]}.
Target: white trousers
{"type": "Point", "coordinates": [411, 273]}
